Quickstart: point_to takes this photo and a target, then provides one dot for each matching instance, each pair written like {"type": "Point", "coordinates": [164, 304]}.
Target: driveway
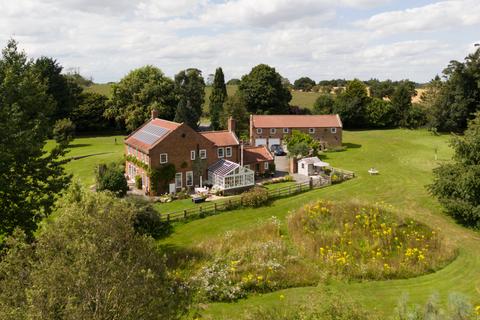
{"type": "Point", "coordinates": [281, 164]}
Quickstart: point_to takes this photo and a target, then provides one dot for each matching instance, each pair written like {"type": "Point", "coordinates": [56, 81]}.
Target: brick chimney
{"type": "Point", "coordinates": [231, 124]}
{"type": "Point", "coordinates": [154, 113]}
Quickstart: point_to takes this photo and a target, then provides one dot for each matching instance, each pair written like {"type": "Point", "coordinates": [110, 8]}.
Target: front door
{"type": "Point", "coordinates": [171, 188]}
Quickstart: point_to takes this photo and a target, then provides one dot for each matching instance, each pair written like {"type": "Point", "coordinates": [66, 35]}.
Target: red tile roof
{"type": "Point", "coordinates": [221, 138]}
{"type": "Point", "coordinates": [297, 121]}
{"type": "Point", "coordinates": [170, 125]}
{"type": "Point", "coordinates": [256, 154]}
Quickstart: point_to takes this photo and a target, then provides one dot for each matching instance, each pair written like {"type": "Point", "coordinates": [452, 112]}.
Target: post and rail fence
{"type": "Point", "coordinates": [215, 207]}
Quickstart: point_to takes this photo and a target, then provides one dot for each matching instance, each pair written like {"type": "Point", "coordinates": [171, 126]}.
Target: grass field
{"type": "Point", "coordinates": [94, 151]}
{"type": "Point", "coordinates": [405, 159]}
{"type": "Point", "coordinates": [303, 99]}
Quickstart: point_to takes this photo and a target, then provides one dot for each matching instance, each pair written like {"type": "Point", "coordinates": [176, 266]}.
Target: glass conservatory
{"type": "Point", "coordinates": [226, 175]}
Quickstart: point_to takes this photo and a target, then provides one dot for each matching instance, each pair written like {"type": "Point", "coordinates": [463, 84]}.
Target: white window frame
{"type": "Point", "coordinates": [203, 153]}
{"type": "Point", "coordinates": [265, 165]}
{"type": "Point", "coordinates": [189, 174]}
{"type": "Point", "coordinates": [311, 130]}
{"type": "Point", "coordinates": [166, 158]}
{"type": "Point", "coordinates": [285, 130]}
{"type": "Point", "coordinates": [273, 130]}
{"type": "Point", "coordinates": [228, 152]}
{"type": "Point", "coordinates": [192, 154]}
{"type": "Point", "coordinates": [333, 130]}
{"type": "Point", "coordinates": [259, 130]}
{"type": "Point", "coordinates": [223, 152]}
{"type": "Point", "coordinates": [178, 174]}
{"type": "Point", "coordinates": [303, 165]}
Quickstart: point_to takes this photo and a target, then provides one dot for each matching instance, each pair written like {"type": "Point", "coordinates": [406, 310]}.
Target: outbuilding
{"type": "Point", "coordinates": [311, 166]}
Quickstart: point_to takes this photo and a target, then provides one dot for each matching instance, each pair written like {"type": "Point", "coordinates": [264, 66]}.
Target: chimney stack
{"type": "Point", "coordinates": [154, 113]}
{"type": "Point", "coordinates": [231, 124]}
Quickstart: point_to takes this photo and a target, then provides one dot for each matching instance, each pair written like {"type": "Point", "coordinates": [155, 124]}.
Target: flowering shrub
{"type": "Point", "coordinates": [256, 260]}
{"type": "Point", "coordinates": [255, 197]}
{"type": "Point", "coordinates": [365, 242]}
{"type": "Point", "coordinates": [286, 178]}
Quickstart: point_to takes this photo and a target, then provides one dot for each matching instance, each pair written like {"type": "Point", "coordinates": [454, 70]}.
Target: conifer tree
{"type": "Point", "coordinates": [217, 98]}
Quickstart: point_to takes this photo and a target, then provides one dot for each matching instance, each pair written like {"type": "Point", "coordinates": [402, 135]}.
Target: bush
{"type": "Point", "coordinates": [256, 197]}
{"type": "Point", "coordinates": [147, 220]}
{"type": "Point", "coordinates": [138, 182]}
{"type": "Point", "coordinates": [111, 177]}
{"type": "Point", "coordinates": [286, 178]}
{"type": "Point", "coordinates": [64, 131]}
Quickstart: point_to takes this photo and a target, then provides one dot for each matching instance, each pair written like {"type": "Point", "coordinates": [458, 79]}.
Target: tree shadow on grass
{"type": "Point", "coordinates": [349, 145]}
{"type": "Point", "coordinates": [78, 145]}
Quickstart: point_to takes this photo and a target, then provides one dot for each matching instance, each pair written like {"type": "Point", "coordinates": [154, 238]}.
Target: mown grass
{"type": "Point", "coordinates": [93, 150]}
{"type": "Point", "coordinates": [404, 159]}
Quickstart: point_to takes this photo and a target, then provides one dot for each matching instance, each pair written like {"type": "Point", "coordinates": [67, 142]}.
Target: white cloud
{"type": "Point", "coordinates": [440, 15]}
{"type": "Point", "coordinates": [106, 39]}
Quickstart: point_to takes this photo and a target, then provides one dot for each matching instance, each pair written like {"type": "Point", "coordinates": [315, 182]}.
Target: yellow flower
{"type": "Point", "coordinates": [477, 309]}
{"type": "Point", "coordinates": [259, 278]}
{"type": "Point", "coordinates": [232, 269]}
{"type": "Point", "coordinates": [282, 297]}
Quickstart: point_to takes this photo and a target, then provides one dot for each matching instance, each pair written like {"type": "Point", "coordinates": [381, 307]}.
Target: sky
{"type": "Point", "coordinates": [321, 39]}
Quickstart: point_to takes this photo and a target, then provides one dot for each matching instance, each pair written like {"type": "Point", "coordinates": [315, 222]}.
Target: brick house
{"type": "Point", "coordinates": [272, 129]}
{"type": "Point", "coordinates": [258, 159]}
{"type": "Point", "coordinates": [193, 156]}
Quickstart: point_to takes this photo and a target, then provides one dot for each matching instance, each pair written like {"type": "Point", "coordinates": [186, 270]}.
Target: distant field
{"type": "Point", "coordinates": [302, 99]}
{"type": "Point", "coordinates": [102, 88]}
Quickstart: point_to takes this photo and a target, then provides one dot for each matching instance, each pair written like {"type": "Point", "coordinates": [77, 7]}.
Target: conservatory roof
{"type": "Point", "coordinates": [223, 167]}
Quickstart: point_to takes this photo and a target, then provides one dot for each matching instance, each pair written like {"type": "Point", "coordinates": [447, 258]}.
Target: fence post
{"type": "Point", "coordinates": [185, 214]}
{"type": "Point", "coordinates": [168, 217]}
{"type": "Point", "coordinates": [241, 201]}
{"type": "Point", "coordinates": [289, 190]}
{"type": "Point", "coordinates": [214, 208]}
{"type": "Point", "coordinates": [200, 210]}
{"type": "Point", "coordinates": [311, 183]}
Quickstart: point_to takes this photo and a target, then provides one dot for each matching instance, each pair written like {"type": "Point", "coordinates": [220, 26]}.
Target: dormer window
{"type": "Point", "coordinates": [311, 130]}
{"type": "Point", "coordinates": [285, 130]}
{"type": "Point", "coordinates": [259, 130]}
{"type": "Point", "coordinates": [273, 130]}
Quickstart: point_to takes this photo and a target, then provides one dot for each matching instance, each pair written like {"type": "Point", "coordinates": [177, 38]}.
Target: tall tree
{"type": "Point", "coordinates": [351, 104]}
{"type": "Point", "coordinates": [264, 91]}
{"type": "Point", "coordinates": [236, 107]}
{"type": "Point", "coordinates": [402, 102]}
{"type": "Point", "coordinates": [30, 177]}
{"type": "Point", "coordinates": [217, 98]}
{"type": "Point", "coordinates": [90, 262]}
{"type": "Point", "coordinates": [89, 116]}
{"type": "Point", "coordinates": [324, 104]}
{"type": "Point", "coordinates": [190, 90]}
{"type": "Point", "coordinates": [459, 96]}
{"type": "Point", "coordinates": [457, 184]}
{"type": "Point", "coordinates": [140, 91]}
{"type": "Point", "coordinates": [64, 90]}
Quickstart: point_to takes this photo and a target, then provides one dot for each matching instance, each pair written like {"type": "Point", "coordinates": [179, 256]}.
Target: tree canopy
{"type": "Point", "coordinates": [31, 177]}
{"type": "Point", "coordinates": [264, 92]}
{"type": "Point", "coordinates": [190, 91]}
{"type": "Point", "coordinates": [458, 97]}
{"type": "Point", "coordinates": [301, 144]}
{"type": "Point", "coordinates": [140, 91]}
{"type": "Point", "coordinates": [457, 184]}
{"type": "Point", "coordinates": [351, 104]}
{"type": "Point", "coordinates": [236, 107]}
{"type": "Point", "coordinates": [304, 83]}
{"type": "Point", "coordinates": [217, 98]}
{"type": "Point", "coordinates": [89, 262]}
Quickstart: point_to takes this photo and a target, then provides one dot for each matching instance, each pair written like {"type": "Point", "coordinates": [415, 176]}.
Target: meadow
{"type": "Point", "coordinates": [404, 159]}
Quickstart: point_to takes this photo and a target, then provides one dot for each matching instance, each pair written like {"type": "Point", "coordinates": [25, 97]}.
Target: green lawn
{"type": "Point", "coordinates": [97, 149]}
{"type": "Point", "coordinates": [405, 159]}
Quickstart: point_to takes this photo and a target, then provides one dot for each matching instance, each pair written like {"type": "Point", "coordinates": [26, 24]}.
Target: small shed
{"type": "Point", "coordinates": [311, 166]}
{"type": "Point", "coordinates": [227, 175]}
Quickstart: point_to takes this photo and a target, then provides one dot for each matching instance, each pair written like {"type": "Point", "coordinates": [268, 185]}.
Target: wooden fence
{"type": "Point", "coordinates": [214, 207]}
